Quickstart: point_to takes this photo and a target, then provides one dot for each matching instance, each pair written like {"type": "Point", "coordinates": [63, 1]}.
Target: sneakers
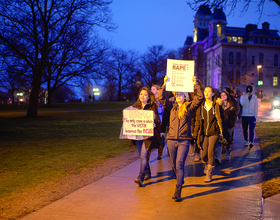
{"type": "Point", "coordinates": [196, 157]}
{"type": "Point", "coordinates": [250, 145]}
{"type": "Point", "coordinates": [246, 144]}
{"type": "Point", "coordinates": [139, 182]}
{"type": "Point", "coordinates": [218, 158]}
{"type": "Point", "coordinates": [228, 153]}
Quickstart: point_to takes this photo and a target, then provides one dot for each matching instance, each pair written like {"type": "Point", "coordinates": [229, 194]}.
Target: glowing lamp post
{"type": "Point", "coordinates": [258, 68]}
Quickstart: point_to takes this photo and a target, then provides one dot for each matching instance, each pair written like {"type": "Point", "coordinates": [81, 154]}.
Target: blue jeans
{"type": "Point", "coordinates": [178, 150]}
{"type": "Point", "coordinates": [248, 121]}
{"type": "Point", "coordinates": [144, 163]}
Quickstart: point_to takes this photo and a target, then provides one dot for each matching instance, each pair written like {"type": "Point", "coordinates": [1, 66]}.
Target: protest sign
{"type": "Point", "coordinates": [180, 73]}
{"type": "Point", "coordinates": [138, 122]}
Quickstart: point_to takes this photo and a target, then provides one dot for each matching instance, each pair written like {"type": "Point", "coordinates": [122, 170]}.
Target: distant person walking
{"type": "Point", "coordinates": [250, 109]}
{"type": "Point", "coordinates": [179, 134]}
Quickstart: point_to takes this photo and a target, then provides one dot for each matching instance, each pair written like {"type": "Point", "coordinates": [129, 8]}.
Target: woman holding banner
{"type": "Point", "coordinates": [146, 101]}
{"type": "Point", "coordinates": [179, 134]}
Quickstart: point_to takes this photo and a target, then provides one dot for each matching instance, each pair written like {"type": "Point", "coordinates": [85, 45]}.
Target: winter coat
{"type": "Point", "coordinates": [249, 107]}
{"type": "Point", "coordinates": [151, 142]}
{"type": "Point", "coordinates": [210, 123]}
{"type": "Point", "coordinates": [230, 115]}
{"type": "Point", "coordinates": [180, 128]}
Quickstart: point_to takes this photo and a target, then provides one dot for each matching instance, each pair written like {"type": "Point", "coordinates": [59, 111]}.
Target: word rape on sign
{"type": "Point", "coordinates": [138, 122]}
{"type": "Point", "coordinates": [180, 73]}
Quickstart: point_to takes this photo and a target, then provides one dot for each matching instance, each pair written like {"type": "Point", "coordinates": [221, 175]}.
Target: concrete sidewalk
{"type": "Point", "coordinates": [234, 193]}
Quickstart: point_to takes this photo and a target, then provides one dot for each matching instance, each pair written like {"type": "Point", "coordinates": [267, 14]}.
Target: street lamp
{"type": "Point", "coordinates": [258, 68]}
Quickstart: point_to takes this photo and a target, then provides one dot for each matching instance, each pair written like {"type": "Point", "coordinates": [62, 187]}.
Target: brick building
{"type": "Point", "coordinates": [232, 56]}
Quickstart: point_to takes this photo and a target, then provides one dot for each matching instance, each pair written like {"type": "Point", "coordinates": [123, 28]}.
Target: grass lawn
{"type": "Point", "coordinates": [65, 139]}
{"type": "Point", "coordinates": [269, 139]}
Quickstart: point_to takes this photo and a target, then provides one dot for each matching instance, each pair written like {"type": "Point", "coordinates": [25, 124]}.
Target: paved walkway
{"type": "Point", "coordinates": [234, 193]}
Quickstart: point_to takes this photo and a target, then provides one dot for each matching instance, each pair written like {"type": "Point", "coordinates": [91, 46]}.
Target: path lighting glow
{"type": "Point", "coordinates": [96, 91]}
{"type": "Point", "coordinates": [20, 94]}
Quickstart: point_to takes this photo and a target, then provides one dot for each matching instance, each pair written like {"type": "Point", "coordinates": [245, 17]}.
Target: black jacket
{"type": "Point", "coordinates": [210, 123]}
{"type": "Point", "coordinates": [151, 142]}
{"type": "Point", "coordinates": [180, 128]}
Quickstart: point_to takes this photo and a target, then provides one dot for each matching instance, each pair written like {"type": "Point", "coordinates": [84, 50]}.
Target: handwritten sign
{"type": "Point", "coordinates": [138, 122]}
{"type": "Point", "coordinates": [180, 73]}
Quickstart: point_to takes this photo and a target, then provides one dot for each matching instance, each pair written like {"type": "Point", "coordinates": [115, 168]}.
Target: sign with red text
{"type": "Point", "coordinates": [180, 73]}
{"type": "Point", "coordinates": [138, 122]}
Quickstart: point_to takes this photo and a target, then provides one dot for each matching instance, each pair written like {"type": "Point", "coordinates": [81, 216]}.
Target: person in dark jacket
{"type": "Point", "coordinates": [146, 101]}
{"type": "Point", "coordinates": [209, 124]}
{"type": "Point", "coordinates": [230, 117]}
{"type": "Point", "coordinates": [164, 119]}
{"type": "Point", "coordinates": [179, 134]}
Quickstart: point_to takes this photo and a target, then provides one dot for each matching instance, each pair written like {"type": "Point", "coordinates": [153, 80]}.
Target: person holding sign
{"type": "Point", "coordinates": [146, 101]}
{"type": "Point", "coordinates": [179, 134]}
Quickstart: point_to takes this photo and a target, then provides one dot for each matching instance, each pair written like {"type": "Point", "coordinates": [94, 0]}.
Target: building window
{"type": "Point", "coordinates": [219, 30]}
{"type": "Point", "coordinates": [231, 77]}
{"type": "Point", "coordinates": [261, 59]}
{"type": "Point", "coordinates": [266, 40]}
{"type": "Point", "coordinates": [237, 75]}
{"type": "Point", "coordinates": [228, 39]}
{"type": "Point", "coordinates": [231, 58]}
{"type": "Point", "coordinates": [275, 93]}
{"type": "Point", "coordinates": [276, 60]}
{"type": "Point", "coordinates": [238, 58]}
{"type": "Point", "coordinates": [260, 82]}
{"type": "Point", "coordinates": [253, 60]}
{"type": "Point", "coordinates": [256, 40]}
{"type": "Point", "coordinates": [275, 79]}
{"type": "Point", "coordinates": [234, 39]}
{"type": "Point", "coordinates": [261, 40]}
{"type": "Point", "coordinates": [240, 40]}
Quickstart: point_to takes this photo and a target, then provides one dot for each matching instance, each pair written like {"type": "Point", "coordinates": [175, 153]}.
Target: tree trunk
{"type": "Point", "coordinates": [32, 110]}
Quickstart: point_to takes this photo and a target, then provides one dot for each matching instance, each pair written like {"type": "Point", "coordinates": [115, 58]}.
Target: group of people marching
{"type": "Point", "coordinates": [204, 119]}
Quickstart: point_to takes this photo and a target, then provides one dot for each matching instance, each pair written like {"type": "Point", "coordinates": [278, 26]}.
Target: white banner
{"type": "Point", "coordinates": [138, 122]}
{"type": "Point", "coordinates": [180, 73]}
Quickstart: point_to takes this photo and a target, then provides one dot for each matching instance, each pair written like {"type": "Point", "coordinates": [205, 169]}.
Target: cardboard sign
{"type": "Point", "coordinates": [138, 122]}
{"type": "Point", "coordinates": [180, 73]}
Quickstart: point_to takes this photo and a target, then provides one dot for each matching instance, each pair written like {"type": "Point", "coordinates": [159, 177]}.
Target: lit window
{"type": "Point", "coordinates": [275, 79]}
{"type": "Point", "coordinates": [234, 39]}
{"type": "Point", "coordinates": [228, 39]}
{"type": "Point", "coordinates": [219, 30]}
{"type": "Point", "coordinates": [240, 40]}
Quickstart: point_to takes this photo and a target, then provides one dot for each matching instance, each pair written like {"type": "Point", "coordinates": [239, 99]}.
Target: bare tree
{"type": "Point", "coordinates": [29, 29]}
{"type": "Point", "coordinates": [194, 4]}
{"type": "Point", "coordinates": [71, 59]}
{"type": "Point", "coordinates": [62, 94]}
{"type": "Point", "coordinates": [240, 72]}
{"type": "Point", "coordinates": [154, 62]}
{"type": "Point", "coordinates": [119, 68]}
{"type": "Point", "coordinates": [11, 78]}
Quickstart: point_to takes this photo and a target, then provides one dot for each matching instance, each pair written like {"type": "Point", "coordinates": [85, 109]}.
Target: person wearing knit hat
{"type": "Point", "coordinates": [249, 102]}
